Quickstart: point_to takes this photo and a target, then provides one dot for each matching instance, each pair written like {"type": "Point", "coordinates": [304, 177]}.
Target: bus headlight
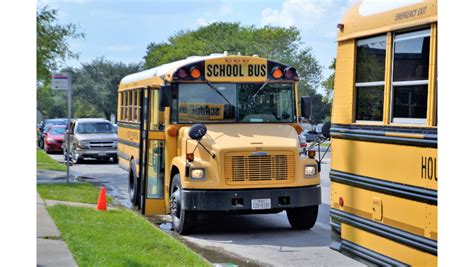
{"type": "Point", "coordinates": [309, 170]}
{"type": "Point", "coordinates": [197, 174]}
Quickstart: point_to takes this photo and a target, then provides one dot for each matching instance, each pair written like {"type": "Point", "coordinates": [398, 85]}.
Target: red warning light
{"type": "Point", "coordinates": [341, 202]}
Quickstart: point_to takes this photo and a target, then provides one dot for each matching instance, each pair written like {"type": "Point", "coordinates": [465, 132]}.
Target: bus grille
{"type": "Point", "coordinates": [274, 167]}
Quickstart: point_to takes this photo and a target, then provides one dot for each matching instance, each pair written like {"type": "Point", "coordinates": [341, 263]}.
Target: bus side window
{"type": "Point", "coordinates": [125, 114]}
{"type": "Point", "coordinates": [370, 78]}
{"type": "Point", "coordinates": [410, 77]}
{"type": "Point", "coordinates": [130, 106]}
{"type": "Point", "coordinates": [156, 116]}
{"type": "Point", "coordinates": [155, 186]}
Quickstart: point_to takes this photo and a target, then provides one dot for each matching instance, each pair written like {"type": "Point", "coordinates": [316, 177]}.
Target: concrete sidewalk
{"type": "Point", "coordinates": [51, 250]}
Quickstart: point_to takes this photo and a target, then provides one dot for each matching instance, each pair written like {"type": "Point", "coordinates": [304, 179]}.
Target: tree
{"type": "Point", "coordinates": [51, 49]}
{"type": "Point", "coordinates": [95, 86]}
{"type": "Point", "coordinates": [328, 86]}
{"type": "Point", "coordinates": [51, 43]}
{"type": "Point", "coordinates": [276, 43]}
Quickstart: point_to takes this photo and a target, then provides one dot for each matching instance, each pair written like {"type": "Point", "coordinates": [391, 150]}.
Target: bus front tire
{"type": "Point", "coordinates": [183, 220]}
{"type": "Point", "coordinates": [133, 184]}
{"type": "Point", "coordinates": [302, 218]}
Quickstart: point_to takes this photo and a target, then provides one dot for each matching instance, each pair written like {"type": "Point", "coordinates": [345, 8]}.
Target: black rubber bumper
{"type": "Point", "coordinates": [240, 200]}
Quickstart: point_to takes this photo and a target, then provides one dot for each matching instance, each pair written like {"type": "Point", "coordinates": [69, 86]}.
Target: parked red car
{"type": "Point", "coordinates": [54, 138]}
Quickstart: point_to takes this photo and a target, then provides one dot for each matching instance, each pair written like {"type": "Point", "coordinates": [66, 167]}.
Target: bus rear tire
{"type": "Point", "coordinates": [302, 218]}
{"type": "Point", "coordinates": [133, 184]}
{"type": "Point", "coordinates": [183, 220]}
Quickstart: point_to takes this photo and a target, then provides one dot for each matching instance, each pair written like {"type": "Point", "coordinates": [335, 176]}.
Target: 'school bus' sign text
{"type": "Point", "coordinates": [228, 69]}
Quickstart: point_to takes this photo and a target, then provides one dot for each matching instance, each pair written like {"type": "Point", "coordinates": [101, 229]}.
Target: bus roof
{"type": "Point", "coordinates": [164, 69]}
{"type": "Point", "coordinates": [372, 17]}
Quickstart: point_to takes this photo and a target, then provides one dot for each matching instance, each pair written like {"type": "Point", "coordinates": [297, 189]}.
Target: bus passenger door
{"type": "Point", "coordinates": [153, 170]}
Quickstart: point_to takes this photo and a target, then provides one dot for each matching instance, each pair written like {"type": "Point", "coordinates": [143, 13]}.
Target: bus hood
{"type": "Point", "coordinates": [244, 137]}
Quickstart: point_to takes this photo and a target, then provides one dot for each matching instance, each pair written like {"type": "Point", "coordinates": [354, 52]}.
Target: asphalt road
{"type": "Point", "coordinates": [106, 173]}
{"type": "Point", "coordinates": [252, 240]}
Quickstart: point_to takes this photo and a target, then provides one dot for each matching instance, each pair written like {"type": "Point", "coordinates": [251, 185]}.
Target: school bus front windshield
{"type": "Point", "coordinates": [234, 102]}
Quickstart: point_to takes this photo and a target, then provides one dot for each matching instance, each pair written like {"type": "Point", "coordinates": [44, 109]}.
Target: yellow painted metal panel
{"type": "Point", "coordinates": [154, 206]}
{"type": "Point", "coordinates": [432, 78]}
{"type": "Point", "coordinates": [388, 71]}
{"type": "Point", "coordinates": [409, 165]}
{"type": "Point", "coordinates": [129, 134]}
{"type": "Point", "coordinates": [170, 153]}
{"type": "Point", "coordinates": [408, 215]}
{"type": "Point", "coordinates": [357, 24]}
{"type": "Point", "coordinates": [387, 247]}
{"type": "Point", "coordinates": [409, 135]}
{"type": "Point", "coordinates": [232, 139]}
{"type": "Point", "coordinates": [343, 106]}
{"type": "Point", "coordinates": [156, 135]}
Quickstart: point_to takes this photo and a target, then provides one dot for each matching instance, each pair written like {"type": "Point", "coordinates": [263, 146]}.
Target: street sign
{"type": "Point", "coordinates": [61, 82]}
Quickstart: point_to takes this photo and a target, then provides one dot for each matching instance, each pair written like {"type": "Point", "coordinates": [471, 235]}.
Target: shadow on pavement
{"type": "Point", "coordinates": [262, 229]}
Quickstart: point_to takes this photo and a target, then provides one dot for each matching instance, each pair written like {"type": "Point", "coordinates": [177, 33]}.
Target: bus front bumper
{"type": "Point", "coordinates": [241, 200]}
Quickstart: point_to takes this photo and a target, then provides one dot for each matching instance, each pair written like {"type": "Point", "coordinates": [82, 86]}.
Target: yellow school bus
{"type": "Point", "coordinates": [216, 133]}
{"type": "Point", "coordinates": [384, 134]}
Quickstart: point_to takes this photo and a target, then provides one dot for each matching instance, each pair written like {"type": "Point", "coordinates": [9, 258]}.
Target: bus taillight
{"type": "Point", "coordinates": [341, 202]}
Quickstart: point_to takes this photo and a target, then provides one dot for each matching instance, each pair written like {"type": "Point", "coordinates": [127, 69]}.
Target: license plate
{"type": "Point", "coordinates": [261, 204]}
{"type": "Point", "coordinates": [102, 154]}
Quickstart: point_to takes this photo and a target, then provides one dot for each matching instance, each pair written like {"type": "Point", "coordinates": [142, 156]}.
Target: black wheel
{"type": "Point", "coordinates": [114, 159]}
{"type": "Point", "coordinates": [183, 220]}
{"type": "Point", "coordinates": [76, 159]}
{"type": "Point", "coordinates": [302, 218]}
{"type": "Point", "coordinates": [133, 184]}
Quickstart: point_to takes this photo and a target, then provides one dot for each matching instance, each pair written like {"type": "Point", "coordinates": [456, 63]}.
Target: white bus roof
{"type": "Point", "coordinates": [166, 68]}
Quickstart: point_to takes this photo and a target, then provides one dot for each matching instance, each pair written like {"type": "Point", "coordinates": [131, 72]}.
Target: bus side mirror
{"type": "Point", "coordinates": [165, 97]}
{"type": "Point", "coordinates": [306, 106]}
{"type": "Point", "coordinates": [197, 131]}
{"type": "Point", "coordinates": [326, 130]}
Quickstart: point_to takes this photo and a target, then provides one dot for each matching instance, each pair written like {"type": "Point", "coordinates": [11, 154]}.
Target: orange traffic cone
{"type": "Point", "coordinates": [102, 201]}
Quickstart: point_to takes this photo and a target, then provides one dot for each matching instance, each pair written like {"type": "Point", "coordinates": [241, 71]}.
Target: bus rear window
{"type": "Point", "coordinates": [370, 78]}
{"type": "Point", "coordinates": [410, 77]}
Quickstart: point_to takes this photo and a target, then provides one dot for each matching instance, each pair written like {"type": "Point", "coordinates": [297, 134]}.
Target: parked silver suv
{"type": "Point", "coordinates": [91, 138]}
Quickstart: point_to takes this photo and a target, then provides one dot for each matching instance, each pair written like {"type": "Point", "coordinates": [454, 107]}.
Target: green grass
{"type": "Point", "coordinates": [45, 162]}
{"type": "Point", "coordinates": [74, 192]}
{"type": "Point", "coordinates": [118, 238]}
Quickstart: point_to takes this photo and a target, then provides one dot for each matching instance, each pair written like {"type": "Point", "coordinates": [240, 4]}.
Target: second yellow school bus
{"type": "Point", "coordinates": [216, 133]}
{"type": "Point", "coordinates": [384, 134]}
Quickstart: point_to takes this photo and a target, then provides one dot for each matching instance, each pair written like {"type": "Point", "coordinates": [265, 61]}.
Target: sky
{"type": "Point", "coordinates": [120, 30]}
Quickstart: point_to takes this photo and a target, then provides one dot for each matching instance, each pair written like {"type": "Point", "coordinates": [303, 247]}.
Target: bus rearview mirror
{"type": "Point", "coordinates": [326, 130]}
{"type": "Point", "coordinates": [306, 106]}
{"type": "Point", "coordinates": [165, 97]}
{"type": "Point", "coordinates": [197, 131]}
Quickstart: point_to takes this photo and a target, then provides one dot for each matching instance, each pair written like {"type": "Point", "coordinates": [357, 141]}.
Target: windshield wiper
{"type": "Point", "coordinates": [258, 91]}
{"type": "Point", "coordinates": [217, 91]}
